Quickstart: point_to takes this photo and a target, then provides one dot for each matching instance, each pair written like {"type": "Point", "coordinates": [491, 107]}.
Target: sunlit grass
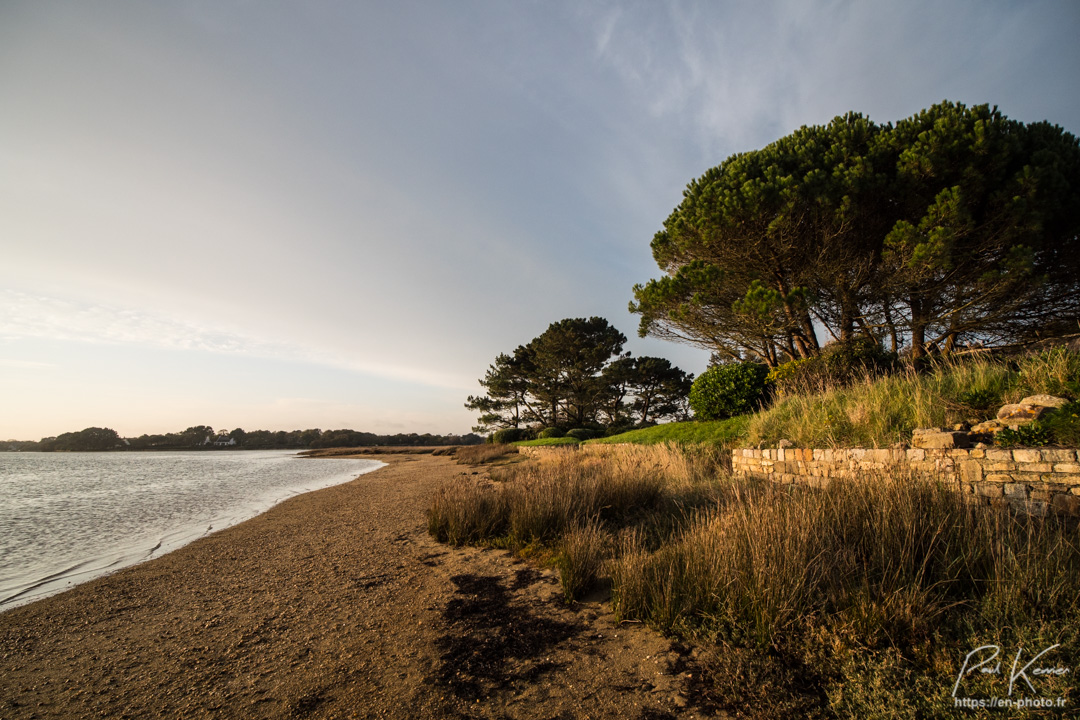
{"type": "Point", "coordinates": [848, 601]}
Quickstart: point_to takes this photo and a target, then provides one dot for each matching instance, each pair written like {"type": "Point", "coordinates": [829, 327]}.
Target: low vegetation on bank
{"type": "Point", "coordinates": [880, 409]}
{"type": "Point", "coordinates": [859, 600]}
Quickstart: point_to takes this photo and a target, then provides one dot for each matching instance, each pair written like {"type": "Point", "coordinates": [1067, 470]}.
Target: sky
{"type": "Point", "coordinates": [335, 214]}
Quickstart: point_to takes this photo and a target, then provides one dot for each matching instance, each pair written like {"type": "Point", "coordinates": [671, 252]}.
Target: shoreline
{"type": "Point", "coordinates": [136, 549]}
{"type": "Point", "coordinates": [336, 603]}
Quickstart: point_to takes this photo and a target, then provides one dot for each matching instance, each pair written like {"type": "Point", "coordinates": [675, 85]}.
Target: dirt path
{"type": "Point", "coordinates": [336, 604]}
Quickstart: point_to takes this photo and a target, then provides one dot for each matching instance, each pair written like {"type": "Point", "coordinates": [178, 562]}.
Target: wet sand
{"type": "Point", "coordinates": [337, 604]}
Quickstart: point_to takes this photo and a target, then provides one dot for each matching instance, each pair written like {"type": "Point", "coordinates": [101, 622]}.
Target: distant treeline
{"type": "Point", "coordinates": [204, 437]}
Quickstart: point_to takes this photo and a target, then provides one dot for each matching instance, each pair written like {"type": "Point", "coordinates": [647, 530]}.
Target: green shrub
{"type": "Point", "coordinates": [551, 432]}
{"type": "Point", "coordinates": [582, 433]}
{"type": "Point", "coordinates": [509, 435]}
{"type": "Point", "coordinates": [619, 429]}
{"type": "Point", "coordinates": [838, 365]}
{"type": "Point", "coordinates": [1030, 435]}
{"type": "Point", "coordinates": [785, 373]}
{"type": "Point", "coordinates": [725, 391]}
{"type": "Point", "coordinates": [1064, 425]}
{"type": "Point", "coordinates": [979, 400]}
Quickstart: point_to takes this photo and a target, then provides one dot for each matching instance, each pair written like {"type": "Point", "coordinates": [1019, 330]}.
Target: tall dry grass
{"type": "Point", "coordinates": [853, 599]}
{"type": "Point", "coordinates": [536, 504]}
{"type": "Point", "coordinates": [880, 411]}
{"type": "Point", "coordinates": [481, 454]}
{"type": "Point", "coordinates": [884, 558]}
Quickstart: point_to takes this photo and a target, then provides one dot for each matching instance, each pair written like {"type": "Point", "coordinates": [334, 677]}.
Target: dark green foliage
{"type": "Point", "coordinates": [582, 433]}
{"type": "Point", "coordinates": [89, 440]}
{"type": "Point", "coordinates": [551, 432]}
{"type": "Point", "coordinates": [725, 391]}
{"type": "Point", "coordinates": [509, 435]}
{"type": "Point", "coordinates": [576, 374]}
{"type": "Point", "coordinates": [979, 400]}
{"type": "Point", "coordinates": [954, 226]}
{"type": "Point", "coordinates": [839, 364]}
{"type": "Point", "coordinates": [1031, 435]}
{"type": "Point", "coordinates": [1064, 425]}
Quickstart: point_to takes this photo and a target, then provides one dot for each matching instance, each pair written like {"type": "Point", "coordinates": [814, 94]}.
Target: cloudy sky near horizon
{"type": "Point", "coordinates": [327, 214]}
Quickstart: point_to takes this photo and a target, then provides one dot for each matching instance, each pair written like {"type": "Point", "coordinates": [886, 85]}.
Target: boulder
{"type": "Point", "coordinates": [1048, 401]}
{"type": "Point", "coordinates": [1021, 414]}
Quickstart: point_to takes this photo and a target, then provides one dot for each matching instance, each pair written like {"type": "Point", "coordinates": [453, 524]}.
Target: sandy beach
{"type": "Point", "coordinates": [337, 604]}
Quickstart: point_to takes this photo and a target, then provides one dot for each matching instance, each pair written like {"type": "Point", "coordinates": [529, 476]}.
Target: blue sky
{"type": "Point", "coordinates": [335, 214]}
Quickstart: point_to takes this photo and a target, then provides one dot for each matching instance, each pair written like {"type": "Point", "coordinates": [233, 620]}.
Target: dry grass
{"type": "Point", "coordinates": [483, 454]}
{"type": "Point", "coordinates": [880, 411]}
{"type": "Point", "coordinates": [851, 600]}
{"type": "Point", "coordinates": [582, 553]}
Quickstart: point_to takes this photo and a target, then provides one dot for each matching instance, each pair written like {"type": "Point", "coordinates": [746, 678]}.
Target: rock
{"type": "Point", "coordinates": [961, 427]}
{"type": "Point", "coordinates": [783, 443]}
{"type": "Point", "coordinates": [981, 446]}
{"type": "Point", "coordinates": [990, 427]}
{"type": "Point", "coordinates": [1044, 401]}
{"type": "Point", "coordinates": [940, 440]}
{"type": "Point", "coordinates": [1021, 414]}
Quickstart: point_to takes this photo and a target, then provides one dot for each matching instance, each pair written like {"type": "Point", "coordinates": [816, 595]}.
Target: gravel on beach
{"type": "Point", "coordinates": [337, 604]}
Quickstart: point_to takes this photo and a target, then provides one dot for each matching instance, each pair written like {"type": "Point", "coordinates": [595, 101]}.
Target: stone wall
{"type": "Point", "coordinates": [1038, 481]}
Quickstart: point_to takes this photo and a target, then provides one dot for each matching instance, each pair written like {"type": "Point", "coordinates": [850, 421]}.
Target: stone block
{"type": "Point", "coordinates": [1066, 468]}
{"type": "Point", "coordinates": [1065, 504]}
{"type": "Point", "coordinates": [998, 455]}
{"type": "Point", "coordinates": [1059, 456]}
{"type": "Point", "coordinates": [1032, 507]}
{"type": "Point", "coordinates": [1036, 467]}
{"type": "Point", "coordinates": [999, 466]}
{"type": "Point", "coordinates": [997, 478]}
{"type": "Point", "coordinates": [1016, 491]}
{"type": "Point", "coordinates": [916, 454]}
{"type": "Point", "coordinates": [977, 453]}
{"type": "Point", "coordinates": [941, 440]}
{"type": "Point", "coordinates": [971, 471]}
{"type": "Point", "coordinates": [988, 490]}
{"type": "Point", "coordinates": [1040, 495]}
{"type": "Point", "coordinates": [1027, 456]}
{"type": "Point", "coordinates": [1067, 478]}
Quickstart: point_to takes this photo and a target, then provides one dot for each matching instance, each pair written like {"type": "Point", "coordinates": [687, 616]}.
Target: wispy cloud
{"type": "Point", "coordinates": [25, 315]}
{"type": "Point", "coordinates": [739, 75]}
{"type": "Point", "coordinates": [26, 364]}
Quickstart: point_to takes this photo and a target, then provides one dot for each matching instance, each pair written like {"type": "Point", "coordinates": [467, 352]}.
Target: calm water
{"type": "Point", "coordinates": [69, 517]}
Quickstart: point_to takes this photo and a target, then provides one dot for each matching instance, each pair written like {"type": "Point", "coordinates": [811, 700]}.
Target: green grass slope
{"type": "Point", "coordinates": [715, 431]}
